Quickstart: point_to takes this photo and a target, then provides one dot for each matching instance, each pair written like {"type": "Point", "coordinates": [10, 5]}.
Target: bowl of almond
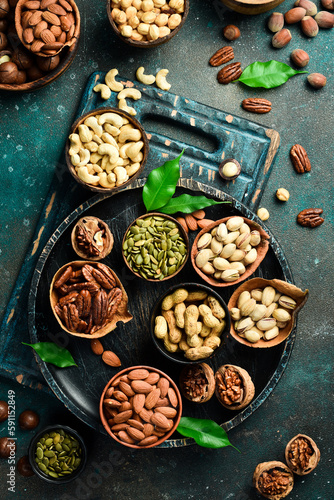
{"type": "Point", "coordinates": [140, 407]}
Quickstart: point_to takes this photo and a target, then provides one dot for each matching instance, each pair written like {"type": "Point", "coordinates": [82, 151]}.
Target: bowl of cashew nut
{"type": "Point", "coordinates": [106, 150]}
{"type": "Point", "coordinates": [147, 23]}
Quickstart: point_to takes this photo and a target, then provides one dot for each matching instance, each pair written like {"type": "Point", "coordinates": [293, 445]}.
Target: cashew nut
{"type": "Point", "coordinates": [84, 155]}
{"type": "Point", "coordinates": [112, 118]}
{"type": "Point", "coordinates": [104, 89]}
{"type": "Point", "coordinates": [122, 105]}
{"type": "Point", "coordinates": [75, 159]}
{"type": "Point", "coordinates": [111, 82]}
{"type": "Point", "coordinates": [109, 139]}
{"type": "Point", "coordinates": [131, 93]}
{"type": "Point", "coordinates": [85, 134]}
{"type": "Point", "coordinates": [92, 123]}
{"type": "Point", "coordinates": [132, 169]}
{"type": "Point", "coordinates": [97, 139]}
{"type": "Point", "coordinates": [129, 134]}
{"type": "Point", "coordinates": [123, 150]}
{"type": "Point", "coordinates": [134, 149]}
{"type": "Point", "coordinates": [138, 158]}
{"type": "Point", "coordinates": [104, 181]}
{"type": "Point", "coordinates": [85, 176]}
{"type": "Point", "coordinates": [95, 157]}
{"type": "Point", "coordinates": [111, 151]}
{"type": "Point", "coordinates": [107, 165]}
{"type": "Point", "coordinates": [92, 146]}
{"type": "Point", "coordinates": [75, 144]}
{"type": "Point", "coordinates": [161, 81]}
{"type": "Point", "coordinates": [111, 129]}
{"type": "Point", "coordinates": [145, 79]}
{"type": "Point", "coordinates": [121, 175]}
{"type": "Point", "coordinates": [97, 169]}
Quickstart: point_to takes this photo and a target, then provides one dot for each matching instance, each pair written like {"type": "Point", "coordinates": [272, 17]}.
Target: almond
{"type": "Point", "coordinates": [56, 30]}
{"type": "Point", "coordinates": [141, 386]}
{"type": "Point", "coordinates": [112, 403]}
{"type": "Point", "coordinates": [41, 26]}
{"type": "Point", "coordinates": [25, 19]}
{"type": "Point", "coordinates": [28, 35]}
{"type": "Point", "coordinates": [135, 434]}
{"type": "Point", "coordinates": [123, 436]}
{"type": "Point", "coordinates": [134, 423]}
{"type": "Point", "coordinates": [152, 399]}
{"type": "Point", "coordinates": [66, 5]}
{"type": "Point", "coordinates": [126, 388]}
{"type": "Point", "coordinates": [56, 46]}
{"type": "Point", "coordinates": [198, 214]}
{"type": "Point", "coordinates": [146, 415]}
{"type": "Point", "coordinates": [138, 402]}
{"type": "Point", "coordinates": [35, 18]}
{"type": "Point", "coordinates": [167, 411]}
{"type": "Point", "coordinates": [47, 36]}
{"type": "Point", "coordinates": [32, 4]}
{"type": "Point", "coordinates": [153, 378]}
{"type": "Point", "coordinates": [37, 46]}
{"type": "Point", "coordinates": [120, 396]}
{"type": "Point", "coordinates": [65, 23]}
{"type": "Point", "coordinates": [159, 420]}
{"type": "Point", "coordinates": [115, 382]}
{"type": "Point", "coordinates": [119, 427]}
{"type": "Point", "coordinates": [173, 397]}
{"type": "Point", "coordinates": [148, 429]}
{"type": "Point", "coordinates": [62, 37]}
{"type": "Point", "coordinates": [158, 433]}
{"type": "Point", "coordinates": [45, 3]}
{"type": "Point", "coordinates": [191, 222]}
{"type": "Point", "coordinates": [138, 374]}
{"type": "Point", "coordinates": [123, 416]}
{"type": "Point", "coordinates": [163, 385]}
{"type": "Point", "coordinates": [126, 405]}
{"type": "Point", "coordinates": [183, 223]}
{"type": "Point", "coordinates": [109, 392]}
{"type": "Point", "coordinates": [51, 18]}
{"type": "Point", "coordinates": [162, 402]}
{"type": "Point", "coordinates": [57, 9]}
{"type": "Point", "coordinates": [70, 33]}
{"type": "Point", "coordinates": [111, 359]}
{"type": "Point", "coordinates": [148, 441]}
{"type": "Point", "coordinates": [204, 223]}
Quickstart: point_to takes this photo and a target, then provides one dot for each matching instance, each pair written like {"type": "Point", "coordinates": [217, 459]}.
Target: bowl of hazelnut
{"type": "Point", "coordinates": [106, 150]}
{"type": "Point", "coordinates": [22, 69]}
{"type": "Point", "coordinates": [147, 23]}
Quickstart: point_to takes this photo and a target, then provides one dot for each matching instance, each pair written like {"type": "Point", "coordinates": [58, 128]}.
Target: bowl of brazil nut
{"type": "Point", "coordinates": [106, 150]}
{"type": "Point", "coordinates": [140, 407]}
{"type": "Point", "coordinates": [229, 250]}
{"type": "Point", "coordinates": [147, 23]}
{"type": "Point", "coordinates": [263, 312]}
{"type": "Point", "coordinates": [189, 322]}
{"type": "Point", "coordinates": [155, 247]}
{"type": "Point", "coordinates": [88, 299]}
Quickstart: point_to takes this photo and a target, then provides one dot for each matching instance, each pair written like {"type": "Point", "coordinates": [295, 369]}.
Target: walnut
{"type": "Point", "coordinates": [273, 480]}
{"type": "Point", "coordinates": [234, 387]}
{"type": "Point", "coordinates": [91, 238]}
{"type": "Point", "coordinates": [197, 382]}
{"type": "Point", "coordinates": [302, 454]}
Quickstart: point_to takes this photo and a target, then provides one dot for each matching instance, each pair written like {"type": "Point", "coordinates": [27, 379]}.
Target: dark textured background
{"type": "Point", "coordinates": [33, 129]}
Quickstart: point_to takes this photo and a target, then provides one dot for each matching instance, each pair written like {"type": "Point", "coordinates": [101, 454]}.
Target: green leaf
{"type": "Point", "coordinates": [205, 432]}
{"type": "Point", "coordinates": [51, 353]}
{"type": "Point", "coordinates": [187, 204]}
{"type": "Point", "coordinates": [268, 74]}
{"type": "Point", "coordinates": [161, 184]}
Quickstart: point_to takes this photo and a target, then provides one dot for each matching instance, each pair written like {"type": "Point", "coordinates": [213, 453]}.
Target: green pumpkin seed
{"type": "Point", "coordinates": [39, 453]}
{"type": "Point", "coordinates": [53, 474]}
{"type": "Point", "coordinates": [65, 473]}
{"type": "Point", "coordinates": [49, 442]}
{"type": "Point", "coordinates": [49, 453]}
{"type": "Point", "coordinates": [41, 466]}
{"type": "Point", "coordinates": [59, 447]}
{"type": "Point", "coordinates": [42, 440]}
{"type": "Point", "coordinates": [56, 439]}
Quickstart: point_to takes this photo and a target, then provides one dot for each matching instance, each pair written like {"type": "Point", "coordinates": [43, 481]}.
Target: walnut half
{"type": "Point", "coordinates": [91, 238]}
{"type": "Point", "coordinates": [234, 387]}
{"type": "Point", "coordinates": [273, 480]}
{"type": "Point", "coordinates": [302, 454]}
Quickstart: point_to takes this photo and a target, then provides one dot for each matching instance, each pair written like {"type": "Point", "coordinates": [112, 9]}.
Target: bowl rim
{"type": "Point", "coordinates": [177, 418]}
{"type": "Point", "coordinates": [148, 44]}
{"type": "Point", "coordinates": [251, 268]}
{"type": "Point", "coordinates": [159, 345]}
{"type": "Point", "coordinates": [184, 235]}
{"type": "Point", "coordinates": [100, 111]}
{"type": "Point", "coordinates": [32, 447]}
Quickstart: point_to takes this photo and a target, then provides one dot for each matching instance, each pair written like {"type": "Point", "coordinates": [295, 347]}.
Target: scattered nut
{"type": "Point", "coordinates": [7, 447]}
{"type": "Point", "coordinates": [231, 32]}
{"type": "Point", "coordinates": [229, 169]}
{"type": "Point", "coordinates": [256, 105]}
{"type": "Point", "coordinates": [328, 4]}
{"type": "Point", "coordinates": [28, 420]}
{"type": "Point", "coordinates": [104, 90]}
{"type": "Point", "coordinates": [325, 19]}
{"type": "Point", "coordinates": [300, 159]}
{"type": "Point", "coordinates": [281, 38]}
{"type": "Point", "coordinates": [222, 56]}
{"type": "Point", "coordinates": [302, 454]}
{"type": "Point", "coordinates": [282, 194]}
{"type": "Point", "coordinates": [229, 73]}
{"type": "Point", "coordinates": [310, 7]}
{"type": "Point", "coordinates": [310, 217]}
{"type": "Point", "coordinates": [263, 213]}
{"type": "Point", "coordinates": [145, 79]}
{"type": "Point", "coordinates": [273, 480]}
{"type": "Point", "coordinates": [276, 22]}
{"type": "Point", "coordinates": [3, 411]}
{"type": "Point", "coordinates": [309, 26]}
{"type": "Point", "coordinates": [294, 15]}
{"type": "Point", "coordinates": [111, 82]}
{"type": "Point", "coordinates": [317, 80]}
{"type": "Point", "coordinates": [24, 468]}
{"type": "Point", "coordinates": [300, 58]}
{"type": "Point", "coordinates": [160, 80]}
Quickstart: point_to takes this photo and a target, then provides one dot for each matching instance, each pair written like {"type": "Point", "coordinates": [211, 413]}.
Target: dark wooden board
{"type": "Point", "coordinates": [80, 388]}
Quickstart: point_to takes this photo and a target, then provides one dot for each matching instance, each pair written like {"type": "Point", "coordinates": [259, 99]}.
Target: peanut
{"type": "Point", "coordinates": [161, 329]}
{"type": "Point", "coordinates": [180, 295]}
{"type": "Point", "coordinates": [174, 333]}
{"type": "Point", "coordinates": [208, 318]}
{"type": "Point", "coordinates": [190, 320]}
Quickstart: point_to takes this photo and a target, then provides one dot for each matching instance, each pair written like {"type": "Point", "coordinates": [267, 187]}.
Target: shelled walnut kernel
{"type": "Point", "coordinates": [197, 383]}
{"type": "Point", "coordinates": [302, 454]}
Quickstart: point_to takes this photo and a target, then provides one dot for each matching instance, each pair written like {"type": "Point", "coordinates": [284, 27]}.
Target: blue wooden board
{"type": "Point", "coordinates": [173, 123]}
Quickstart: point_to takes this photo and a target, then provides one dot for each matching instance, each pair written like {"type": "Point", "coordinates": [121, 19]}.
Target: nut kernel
{"type": "Point", "coordinates": [282, 194]}
{"type": "Point", "coordinates": [263, 213]}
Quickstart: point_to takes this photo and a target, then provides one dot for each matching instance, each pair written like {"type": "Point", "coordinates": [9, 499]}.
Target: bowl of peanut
{"type": "Point", "coordinates": [106, 150]}
{"type": "Point", "coordinates": [188, 323]}
{"type": "Point", "coordinates": [147, 23]}
{"type": "Point", "coordinates": [140, 407]}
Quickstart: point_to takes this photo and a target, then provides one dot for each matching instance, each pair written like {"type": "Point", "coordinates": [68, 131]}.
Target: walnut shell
{"type": "Point", "coordinates": [299, 460]}
{"type": "Point", "coordinates": [199, 371]}
{"type": "Point", "coordinates": [247, 389]}
{"type": "Point", "coordinates": [267, 468]}
{"type": "Point", "coordinates": [87, 224]}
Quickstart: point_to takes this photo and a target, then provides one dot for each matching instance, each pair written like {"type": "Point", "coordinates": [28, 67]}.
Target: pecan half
{"type": "Point", "coordinates": [310, 217]}
{"type": "Point", "coordinates": [256, 105]}
{"type": "Point", "coordinates": [93, 288]}
{"type": "Point", "coordinates": [100, 307]}
{"type": "Point", "coordinates": [229, 73]}
{"type": "Point", "coordinates": [71, 317]}
{"type": "Point", "coordinates": [299, 159]}
{"type": "Point", "coordinates": [66, 275]}
{"type": "Point", "coordinates": [104, 269]}
{"type": "Point", "coordinates": [71, 297]}
{"type": "Point", "coordinates": [222, 56]}
{"type": "Point", "coordinates": [87, 272]}
{"type": "Point", "coordinates": [114, 298]}
{"type": "Point", "coordinates": [103, 279]}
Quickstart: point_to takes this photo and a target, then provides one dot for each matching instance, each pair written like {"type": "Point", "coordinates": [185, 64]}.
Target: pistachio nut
{"type": "Point", "coordinates": [221, 264]}
{"type": "Point", "coordinates": [268, 295]}
{"type": "Point", "coordinates": [244, 324]}
{"type": "Point", "coordinates": [228, 250]}
{"type": "Point", "coordinates": [243, 297]}
{"type": "Point", "coordinates": [243, 240]}
{"type": "Point", "coordinates": [230, 275]}
{"type": "Point", "coordinates": [271, 309]}
{"type": "Point", "coordinates": [277, 296]}
{"type": "Point", "coordinates": [248, 248]}
{"type": "Point", "coordinates": [281, 315]}
{"type": "Point", "coordinates": [272, 333]}
{"type": "Point", "coordinates": [252, 336]}
{"type": "Point", "coordinates": [256, 294]}
{"type": "Point", "coordinates": [281, 324]}
{"type": "Point", "coordinates": [287, 302]}
{"type": "Point", "coordinates": [231, 237]}
{"type": "Point", "coordinates": [234, 223]}
{"type": "Point", "coordinates": [208, 268]}
{"type": "Point", "coordinates": [250, 257]}
{"type": "Point", "coordinates": [204, 241]}
{"type": "Point", "coordinates": [266, 324]}
{"type": "Point", "coordinates": [235, 314]}
{"type": "Point", "coordinates": [218, 275]}
{"type": "Point", "coordinates": [216, 246]}
{"type": "Point", "coordinates": [248, 307]}
{"type": "Point", "coordinates": [220, 231]}
{"type": "Point", "coordinates": [238, 255]}
{"type": "Point", "coordinates": [238, 266]}
{"type": "Point", "coordinates": [244, 228]}
{"type": "Point", "coordinates": [258, 312]}
{"type": "Point", "coordinates": [203, 257]}
{"type": "Point", "coordinates": [255, 238]}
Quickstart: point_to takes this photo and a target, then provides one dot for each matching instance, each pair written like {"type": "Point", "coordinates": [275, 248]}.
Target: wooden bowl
{"type": "Point", "coordinates": [176, 419]}
{"type": "Point", "coordinates": [145, 149]}
{"type": "Point", "coordinates": [107, 236]}
{"type": "Point", "coordinates": [183, 234]}
{"type": "Point", "coordinates": [262, 249]}
{"type": "Point", "coordinates": [251, 7]}
{"type": "Point", "coordinates": [285, 289]}
{"type": "Point", "coordinates": [122, 313]}
{"type": "Point", "coordinates": [148, 44]}
{"type": "Point", "coordinates": [19, 29]}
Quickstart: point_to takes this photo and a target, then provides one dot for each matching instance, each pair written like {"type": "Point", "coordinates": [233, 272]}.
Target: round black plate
{"type": "Point", "coordinates": [80, 388]}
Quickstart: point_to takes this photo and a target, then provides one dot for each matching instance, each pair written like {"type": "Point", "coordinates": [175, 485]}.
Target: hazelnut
{"type": "Point", "coordinates": [47, 64]}
{"type": "Point", "coordinates": [7, 446]}
{"type": "Point", "coordinates": [8, 72]}
{"type": "Point", "coordinates": [28, 420]}
{"type": "Point", "coordinates": [282, 194]}
{"type": "Point", "coordinates": [3, 411]}
{"type": "Point", "coordinates": [294, 15]}
{"type": "Point", "coordinates": [4, 8]}
{"type": "Point", "coordinates": [328, 4]}
{"type": "Point", "coordinates": [229, 169]}
{"type": "Point", "coordinates": [3, 41]}
{"type": "Point", "coordinates": [281, 38]}
{"type": "Point", "coordinates": [231, 32]}
{"type": "Point", "coordinates": [24, 468]}
{"type": "Point", "coordinates": [310, 7]}
{"type": "Point", "coordinates": [276, 22]}
{"type": "Point", "coordinates": [263, 213]}
{"type": "Point", "coordinates": [309, 26]}
{"type": "Point", "coordinates": [317, 80]}
{"type": "Point", "coordinates": [300, 58]}
{"type": "Point", "coordinates": [325, 19]}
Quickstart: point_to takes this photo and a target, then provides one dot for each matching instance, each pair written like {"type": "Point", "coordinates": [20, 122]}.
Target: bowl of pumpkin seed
{"type": "Point", "coordinates": [57, 454]}
{"type": "Point", "coordinates": [155, 247]}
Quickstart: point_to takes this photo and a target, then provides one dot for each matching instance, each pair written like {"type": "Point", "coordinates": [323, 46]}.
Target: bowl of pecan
{"type": "Point", "coordinates": [106, 150]}
{"type": "Point", "coordinates": [229, 250]}
{"type": "Point", "coordinates": [88, 299]}
{"type": "Point", "coordinates": [188, 323]}
{"type": "Point", "coordinates": [91, 238]}
{"type": "Point", "coordinates": [147, 23]}
{"type": "Point", "coordinates": [47, 27]}
{"type": "Point", "coordinates": [140, 407]}
{"type": "Point", "coordinates": [264, 312]}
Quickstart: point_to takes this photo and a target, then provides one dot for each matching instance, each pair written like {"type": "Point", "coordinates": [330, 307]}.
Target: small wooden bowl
{"type": "Point", "coordinates": [122, 313]}
{"type": "Point", "coordinates": [285, 289]}
{"type": "Point", "coordinates": [134, 122]}
{"type": "Point", "coordinates": [251, 7]}
{"type": "Point", "coordinates": [19, 29]}
{"type": "Point", "coordinates": [262, 249]}
{"type": "Point", "coordinates": [183, 234]}
{"type": "Point", "coordinates": [108, 244]}
{"type": "Point", "coordinates": [148, 44]}
{"type": "Point", "coordinates": [176, 418]}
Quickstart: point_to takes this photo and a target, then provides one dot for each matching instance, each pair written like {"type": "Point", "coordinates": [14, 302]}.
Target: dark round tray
{"type": "Point", "coordinates": [80, 388]}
